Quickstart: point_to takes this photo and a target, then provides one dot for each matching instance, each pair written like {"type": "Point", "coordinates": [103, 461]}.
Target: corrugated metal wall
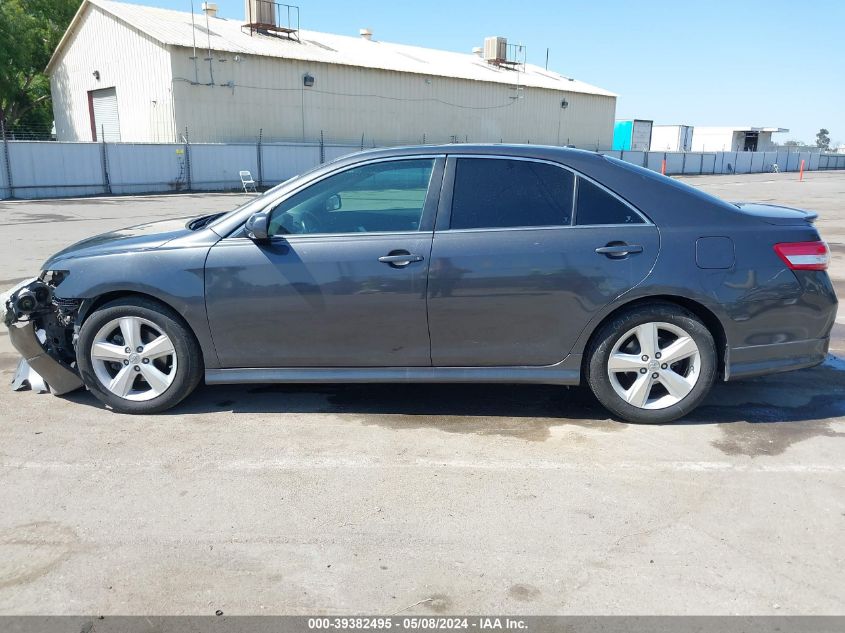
{"type": "Point", "coordinates": [135, 65]}
{"type": "Point", "coordinates": [161, 91]}
{"type": "Point", "coordinates": [48, 170]}
{"type": "Point", "coordinates": [385, 107]}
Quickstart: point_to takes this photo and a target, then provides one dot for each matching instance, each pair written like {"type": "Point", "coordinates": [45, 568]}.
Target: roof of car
{"type": "Point", "coordinates": [488, 149]}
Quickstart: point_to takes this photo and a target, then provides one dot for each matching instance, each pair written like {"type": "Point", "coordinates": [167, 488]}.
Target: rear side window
{"type": "Point", "coordinates": [597, 206]}
{"type": "Point", "coordinates": [498, 193]}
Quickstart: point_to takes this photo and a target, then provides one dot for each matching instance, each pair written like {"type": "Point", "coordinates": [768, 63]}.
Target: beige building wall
{"type": "Point", "coordinates": [386, 107]}
{"type": "Point", "coordinates": [162, 90]}
{"type": "Point", "coordinates": [134, 64]}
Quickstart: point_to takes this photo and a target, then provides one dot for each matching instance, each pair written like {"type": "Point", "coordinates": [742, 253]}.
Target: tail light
{"type": "Point", "coordinates": [804, 255]}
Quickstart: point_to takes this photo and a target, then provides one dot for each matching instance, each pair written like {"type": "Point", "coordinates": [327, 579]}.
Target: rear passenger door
{"type": "Point", "coordinates": [515, 274]}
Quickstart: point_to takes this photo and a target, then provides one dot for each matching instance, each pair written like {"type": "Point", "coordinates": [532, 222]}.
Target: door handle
{"type": "Point", "coordinates": [399, 259]}
{"type": "Point", "coordinates": [619, 250]}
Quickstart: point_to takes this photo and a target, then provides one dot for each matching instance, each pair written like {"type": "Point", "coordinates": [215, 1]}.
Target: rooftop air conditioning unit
{"type": "Point", "coordinates": [495, 49]}
{"type": "Point", "coordinates": [260, 12]}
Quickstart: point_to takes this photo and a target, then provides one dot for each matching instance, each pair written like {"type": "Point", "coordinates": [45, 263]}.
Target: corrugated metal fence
{"type": "Point", "coordinates": [702, 163]}
{"type": "Point", "coordinates": [39, 169]}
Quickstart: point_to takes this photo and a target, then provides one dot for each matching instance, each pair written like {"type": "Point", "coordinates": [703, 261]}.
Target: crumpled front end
{"type": "Point", "coordinates": [41, 329]}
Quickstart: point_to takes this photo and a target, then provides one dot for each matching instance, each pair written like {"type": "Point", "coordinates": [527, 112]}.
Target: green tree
{"type": "Point", "coordinates": [822, 139]}
{"type": "Point", "coordinates": [29, 33]}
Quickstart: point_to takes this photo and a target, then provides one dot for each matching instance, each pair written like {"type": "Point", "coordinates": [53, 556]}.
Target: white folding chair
{"type": "Point", "coordinates": [247, 181]}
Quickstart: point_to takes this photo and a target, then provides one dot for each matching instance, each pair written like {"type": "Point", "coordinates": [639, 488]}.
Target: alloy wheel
{"type": "Point", "coordinates": [133, 358]}
{"type": "Point", "coordinates": [654, 365]}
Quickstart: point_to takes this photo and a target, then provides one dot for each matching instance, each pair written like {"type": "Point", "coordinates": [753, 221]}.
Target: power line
{"type": "Point", "coordinates": [358, 95]}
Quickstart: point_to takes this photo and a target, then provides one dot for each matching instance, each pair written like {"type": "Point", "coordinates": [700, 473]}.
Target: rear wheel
{"type": "Point", "coordinates": [652, 364]}
{"type": "Point", "coordinates": [138, 356]}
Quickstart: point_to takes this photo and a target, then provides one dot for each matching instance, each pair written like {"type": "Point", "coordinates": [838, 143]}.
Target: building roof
{"type": "Point", "coordinates": [741, 128]}
{"type": "Point", "coordinates": [174, 28]}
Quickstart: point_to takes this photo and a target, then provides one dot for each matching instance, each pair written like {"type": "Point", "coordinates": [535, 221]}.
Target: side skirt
{"type": "Point", "coordinates": [565, 373]}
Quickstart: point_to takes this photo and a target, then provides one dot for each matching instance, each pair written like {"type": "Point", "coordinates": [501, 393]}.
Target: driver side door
{"type": "Point", "coordinates": [342, 280]}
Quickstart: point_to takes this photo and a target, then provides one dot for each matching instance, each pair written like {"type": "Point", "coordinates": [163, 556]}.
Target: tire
{"type": "Point", "coordinates": [672, 389]}
{"type": "Point", "coordinates": [129, 381]}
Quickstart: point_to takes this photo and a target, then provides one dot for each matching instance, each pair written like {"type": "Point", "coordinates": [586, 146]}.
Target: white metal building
{"type": "Point", "coordinates": [734, 139]}
{"type": "Point", "coordinates": [671, 138]}
{"type": "Point", "coordinates": [135, 73]}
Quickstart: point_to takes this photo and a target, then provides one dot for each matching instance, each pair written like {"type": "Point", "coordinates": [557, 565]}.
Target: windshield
{"type": "Point", "coordinates": [258, 201]}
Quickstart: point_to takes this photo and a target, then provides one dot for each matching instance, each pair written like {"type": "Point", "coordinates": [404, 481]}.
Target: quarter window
{"type": "Point", "coordinates": [497, 193]}
{"type": "Point", "coordinates": [374, 198]}
{"type": "Point", "coordinates": [597, 206]}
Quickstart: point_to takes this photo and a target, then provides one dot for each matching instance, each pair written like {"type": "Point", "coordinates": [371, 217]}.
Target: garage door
{"type": "Point", "coordinates": [105, 119]}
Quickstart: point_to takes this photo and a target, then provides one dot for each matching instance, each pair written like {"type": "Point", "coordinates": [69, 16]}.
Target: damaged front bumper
{"type": "Point", "coordinates": [59, 376]}
{"type": "Point", "coordinates": [42, 332]}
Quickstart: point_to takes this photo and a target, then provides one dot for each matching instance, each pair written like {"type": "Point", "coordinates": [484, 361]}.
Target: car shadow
{"type": "Point", "coordinates": [804, 396]}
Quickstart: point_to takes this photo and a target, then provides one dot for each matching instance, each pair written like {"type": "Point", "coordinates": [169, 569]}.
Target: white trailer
{"type": "Point", "coordinates": [671, 138]}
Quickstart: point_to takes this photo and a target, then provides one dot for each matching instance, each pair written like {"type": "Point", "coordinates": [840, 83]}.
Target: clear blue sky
{"type": "Point", "coordinates": [740, 62]}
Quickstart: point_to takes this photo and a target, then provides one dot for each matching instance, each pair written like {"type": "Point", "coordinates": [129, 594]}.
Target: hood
{"type": "Point", "coordinates": [134, 238]}
{"type": "Point", "coordinates": [774, 214]}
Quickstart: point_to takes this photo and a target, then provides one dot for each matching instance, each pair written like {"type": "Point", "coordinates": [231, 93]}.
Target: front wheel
{"type": "Point", "coordinates": [138, 356]}
{"type": "Point", "coordinates": [652, 364]}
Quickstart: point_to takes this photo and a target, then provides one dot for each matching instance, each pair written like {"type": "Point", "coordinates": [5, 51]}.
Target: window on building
{"type": "Point", "coordinates": [597, 206]}
{"type": "Point", "coordinates": [497, 193]}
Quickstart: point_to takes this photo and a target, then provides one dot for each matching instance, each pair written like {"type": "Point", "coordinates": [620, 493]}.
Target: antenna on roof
{"type": "Point", "coordinates": [194, 36]}
{"type": "Point", "coordinates": [210, 56]}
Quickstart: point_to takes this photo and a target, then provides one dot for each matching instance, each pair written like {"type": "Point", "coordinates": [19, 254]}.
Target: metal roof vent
{"type": "Point", "coordinates": [367, 34]}
{"type": "Point", "coordinates": [210, 9]}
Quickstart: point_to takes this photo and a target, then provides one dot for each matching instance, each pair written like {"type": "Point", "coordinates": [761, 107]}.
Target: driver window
{"type": "Point", "coordinates": [379, 197]}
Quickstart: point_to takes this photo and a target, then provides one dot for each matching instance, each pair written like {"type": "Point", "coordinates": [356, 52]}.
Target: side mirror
{"type": "Point", "coordinates": [258, 226]}
{"type": "Point", "coordinates": [333, 203]}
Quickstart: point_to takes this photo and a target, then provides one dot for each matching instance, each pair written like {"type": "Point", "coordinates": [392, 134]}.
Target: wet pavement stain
{"type": "Point", "coordinates": [765, 416]}
{"type": "Point", "coordinates": [758, 429]}
{"type": "Point", "coordinates": [32, 550]}
{"type": "Point", "coordinates": [520, 411]}
{"type": "Point", "coordinates": [757, 439]}
{"type": "Point", "coordinates": [523, 412]}
{"type": "Point", "coordinates": [439, 603]}
{"type": "Point", "coordinates": [524, 593]}
{"type": "Point", "coordinates": [41, 218]}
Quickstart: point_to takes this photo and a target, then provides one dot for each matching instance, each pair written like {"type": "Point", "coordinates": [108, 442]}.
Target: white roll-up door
{"type": "Point", "coordinates": [106, 119]}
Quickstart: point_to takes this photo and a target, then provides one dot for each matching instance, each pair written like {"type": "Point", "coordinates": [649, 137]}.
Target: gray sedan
{"type": "Point", "coordinates": [463, 263]}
